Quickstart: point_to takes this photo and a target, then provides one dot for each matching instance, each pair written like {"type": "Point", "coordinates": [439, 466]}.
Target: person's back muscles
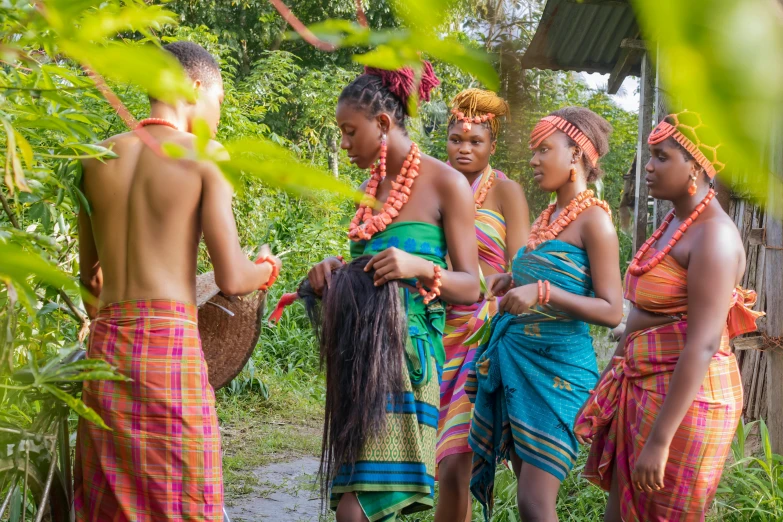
{"type": "Point", "coordinates": [146, 222]}
{"type": "Point", "coordinates": [161, 460]}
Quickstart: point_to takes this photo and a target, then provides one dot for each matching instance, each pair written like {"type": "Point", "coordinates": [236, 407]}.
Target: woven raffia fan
{"type": "Point", "coordinates": [229, 328]}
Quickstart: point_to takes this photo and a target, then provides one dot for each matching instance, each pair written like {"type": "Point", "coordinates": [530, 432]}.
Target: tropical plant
{"type": "Point", "coordinates": [752, 485]}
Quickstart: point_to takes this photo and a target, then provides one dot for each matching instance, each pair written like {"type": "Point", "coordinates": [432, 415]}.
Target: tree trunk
{"type": "Point", "coordinates": [334, 163]}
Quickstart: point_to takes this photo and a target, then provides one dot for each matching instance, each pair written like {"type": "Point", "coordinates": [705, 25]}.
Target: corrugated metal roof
{"type": "Point", "coordinates": [585, 36]}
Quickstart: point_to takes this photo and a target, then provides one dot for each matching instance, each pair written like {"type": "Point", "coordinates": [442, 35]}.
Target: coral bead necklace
{"type": "Point", "coordinates": [364, 224]}
{"type": "Point", "coordinates": [637, 269]}
{"type": "Point", "coordinates": [543, 231]}
{"type": "Point", "coordinates": [157, 121]}
{"type": "Point", "coordinates": [484, 189]}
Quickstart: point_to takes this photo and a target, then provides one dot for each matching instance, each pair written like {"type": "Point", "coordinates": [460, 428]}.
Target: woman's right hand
{"type": "Point", "coordinates": [498, 284]}
{"type": "Point", "coordinates": [321, 274]}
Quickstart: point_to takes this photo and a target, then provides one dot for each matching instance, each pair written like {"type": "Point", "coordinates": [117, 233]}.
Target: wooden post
{"type": "Point", "coordinates": [773, 268]}
{"type": "Point", "coordinates": [646, 105]}
{"type": "Point", "coordinates": [661, 207]}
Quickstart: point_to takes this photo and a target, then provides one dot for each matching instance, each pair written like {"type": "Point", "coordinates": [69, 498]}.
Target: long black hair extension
{"type": "Point", "coordinates": [361, 330]}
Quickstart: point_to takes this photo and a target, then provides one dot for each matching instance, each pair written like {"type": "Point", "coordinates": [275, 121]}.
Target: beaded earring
{"type": "Point", "coordinates": [382, 159]}
{"type": "Point", "coordinates": [692, 186]}
{"type": "Point", "coordinates": [573, 172]}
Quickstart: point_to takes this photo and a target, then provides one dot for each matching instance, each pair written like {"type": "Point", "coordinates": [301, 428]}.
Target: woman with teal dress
{"type": "Point", "coordinates": [409, 239]}
{"type": "Point", "coordinates": [538, 367]}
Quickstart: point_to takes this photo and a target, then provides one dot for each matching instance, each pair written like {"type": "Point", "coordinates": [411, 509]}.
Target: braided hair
{"type": "Point", "coordinates": [378, 91]}
{"type": "Point", "coordinates": [477, 102]}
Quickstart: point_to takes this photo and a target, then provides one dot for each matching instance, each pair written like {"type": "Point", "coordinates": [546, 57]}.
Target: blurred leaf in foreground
{"type": "Point", "coordinates": [723, 59]}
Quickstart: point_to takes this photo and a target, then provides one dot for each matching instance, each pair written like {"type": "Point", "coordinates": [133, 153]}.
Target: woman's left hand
{"type": "Point", "coordinates": [393, 264]}
{"type": "Point", "coordinates": [649, 471]}
{"type": "Point", "coordinates": [519, 300]}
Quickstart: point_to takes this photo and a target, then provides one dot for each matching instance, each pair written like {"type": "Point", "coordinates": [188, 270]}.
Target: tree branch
{"type": "Point", "coordinates": [8, 210]}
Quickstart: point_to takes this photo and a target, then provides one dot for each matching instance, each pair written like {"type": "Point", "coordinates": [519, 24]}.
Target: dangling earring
{"type": "Point", "coordinates": [382, 160]}
{"type": "Point", "coordinates": [573, 172]}
{"type": "Point", "coordinates": [692, 186]}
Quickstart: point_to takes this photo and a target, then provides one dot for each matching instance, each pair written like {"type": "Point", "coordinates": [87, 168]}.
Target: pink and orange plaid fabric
{"type": "Point", "coordinates": [161, 461]}
{"type": "Point", "coordinates": [621, 413]}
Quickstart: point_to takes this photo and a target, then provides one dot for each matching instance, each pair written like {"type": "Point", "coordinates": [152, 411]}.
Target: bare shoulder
{"type": "Point", "coordinates": [444, 177]}
{"type": "Point", "coordinates": [218, 151]}
{"type": "Point", "coordinates": [508, 190]}
{"type": "Point", "coordinates": [115, 143]}
{"type": "Point", "coordinates": [597, 223]}
{"type": "Point", "coordinates": [209, 169]}
{"type": "Point", "coordinates": [717, 233]}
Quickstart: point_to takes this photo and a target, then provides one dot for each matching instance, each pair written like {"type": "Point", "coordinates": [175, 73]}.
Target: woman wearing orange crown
{"type": "Point", "coordinates": [664, 413]}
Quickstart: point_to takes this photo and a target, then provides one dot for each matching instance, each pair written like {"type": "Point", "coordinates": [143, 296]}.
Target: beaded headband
{"type": "Point", "coordinates": [550, 124]}
{"type": "Point", "coordinates": [666, 130]}
{"type": "Point", "coordinates": [468, 121]}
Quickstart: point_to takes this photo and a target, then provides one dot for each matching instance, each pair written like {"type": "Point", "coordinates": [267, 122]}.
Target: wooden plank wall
{"type": "Point", "coordinates": [753, 363]}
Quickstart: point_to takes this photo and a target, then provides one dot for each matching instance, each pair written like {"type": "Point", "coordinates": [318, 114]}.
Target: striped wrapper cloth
{"type": "Point", "coordinates": [161, 461]}
{"type": "Point", "coordinates": [621, 414]}
{"type": "Point", "coordinates": [462, 322]}
{"type": "Point", "coordinates": [531, 378]}
{"type": "Point", "coordinates": [395, 473]}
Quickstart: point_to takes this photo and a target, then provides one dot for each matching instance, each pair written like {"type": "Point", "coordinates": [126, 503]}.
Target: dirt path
{"type": "Point", "coordinates": [285, 491]}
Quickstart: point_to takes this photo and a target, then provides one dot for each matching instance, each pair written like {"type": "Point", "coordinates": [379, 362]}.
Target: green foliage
{"type": "Point", "coordinates": [752, 486]}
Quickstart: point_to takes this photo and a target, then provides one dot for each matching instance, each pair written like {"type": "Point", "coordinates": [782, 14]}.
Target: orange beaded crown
{"type": "Point", "coordinates": [685, 127]}
{"type": "Point", "coordinates": [550, 124]}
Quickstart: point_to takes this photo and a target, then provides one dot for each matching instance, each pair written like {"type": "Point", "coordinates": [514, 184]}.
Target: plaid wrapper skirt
{"type": "Point", "coordinates": [161, 460]}
{"type": "Point", "coordinates": [621, 414]}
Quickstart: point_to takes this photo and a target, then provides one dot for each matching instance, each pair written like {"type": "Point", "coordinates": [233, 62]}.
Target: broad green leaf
{"type": "Point", "coordinates": [61, 13]}
{"type": "Point", "coordinates": [291, 176]}
{"type": "Point", "coordinates": [18, 180]}
{"type": "Point", "coordinates": [76, 405]}
{"type": "Point", "coordinates": [83, 200]}
{"type": "Point", "coordinates": [722, 60]}
{"type": "Point", "coordinates": [17, 265]}
{"type": "Point", "coordinates": [163, 77]}
{"type": "Point", "coordinates": [174, 150]}
{"type": "Point", "coordinates": [342, 33]}
{"type": "Point", "coordinates": [93, 150]}
{"type": "Point", "coordinates": [203, 136]}
{"type": "Point", "coordinates": [387, 57]}
{"type": "Point", "coordinates": [86, 369]}
{"type": "Point", "coordinates": [450, 50]}
{"type": "Point", "coordinates": [479, 336]}
{"type": "Point", "coordinates": [109, 21]}
{"type": "Point", "coordinates": [278, 167]}
{"type": "Point", "coordinates": [424, 15]}
{"type": "Point", "coordinates": [766, 443]}
{"type": "Point", "coordinates": [26, 149]}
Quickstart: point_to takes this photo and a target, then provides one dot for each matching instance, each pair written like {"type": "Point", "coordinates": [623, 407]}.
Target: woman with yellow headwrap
{"type": "Point", "coordinates": [501, 227]}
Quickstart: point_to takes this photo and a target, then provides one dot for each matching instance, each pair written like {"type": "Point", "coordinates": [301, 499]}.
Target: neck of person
{"type": "Point", "coordinates": [473, 176]}
{"type": "Point", "coordinates": [683, 206]}
{"type": "Point", "coordinates": [397, 149]}
{"type": "Point", "coordinates": [175, 115]}
{"type": "Point", "coordinates": [569, 191]}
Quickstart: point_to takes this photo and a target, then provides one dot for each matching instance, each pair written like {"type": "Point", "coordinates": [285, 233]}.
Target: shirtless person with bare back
{"type": "Point", "coordinates": [138, 253]}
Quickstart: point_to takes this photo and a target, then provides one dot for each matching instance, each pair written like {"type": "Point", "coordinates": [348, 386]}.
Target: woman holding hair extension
{"type": "Point", "coordinates": [408, 241]}
{"type": "Point", "coordinates": [665, 411]}
{"type": "Point", "coordinates": [539, 365]}
{"type": "Point", "coordinates": [501, 227]}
